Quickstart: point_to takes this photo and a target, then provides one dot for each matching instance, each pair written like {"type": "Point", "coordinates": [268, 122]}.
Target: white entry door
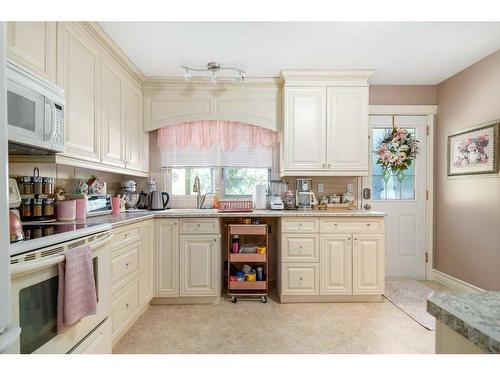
{"type": "Point", "coordinates": [404, 201]}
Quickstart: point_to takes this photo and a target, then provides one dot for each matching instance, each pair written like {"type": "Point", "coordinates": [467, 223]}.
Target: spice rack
{"type": "Point", "coordinates": [37, 197]}
{"type": "Point", "coordinates": [245, 288]}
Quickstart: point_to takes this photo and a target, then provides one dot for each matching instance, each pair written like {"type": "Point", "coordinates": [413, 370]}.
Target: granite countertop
{"type": "Point", "coordinates": [476, 316]}
{"type": "Point", "coordinates": [132, 217]}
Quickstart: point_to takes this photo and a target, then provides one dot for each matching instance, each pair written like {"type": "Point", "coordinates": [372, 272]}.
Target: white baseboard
{"type": "Point", "coordinates": [453, 283]}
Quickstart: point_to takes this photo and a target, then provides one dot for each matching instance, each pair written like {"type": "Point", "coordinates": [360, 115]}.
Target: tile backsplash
{"type": "Point", "coordinates": [66, 175]}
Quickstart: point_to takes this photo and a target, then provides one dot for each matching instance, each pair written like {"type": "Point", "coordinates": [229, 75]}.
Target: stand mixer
{"type": "Point", "coordinates": [276, 190]}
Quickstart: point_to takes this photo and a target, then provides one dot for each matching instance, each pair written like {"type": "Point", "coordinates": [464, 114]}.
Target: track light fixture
{"type": "Point", "coordinates": [213, 67]}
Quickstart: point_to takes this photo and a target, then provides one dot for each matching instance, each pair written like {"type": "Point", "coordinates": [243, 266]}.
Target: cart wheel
{"type": "Point", "coordinates": [263, 299]}
{"type": "Point", "coordinates": [234, 299]}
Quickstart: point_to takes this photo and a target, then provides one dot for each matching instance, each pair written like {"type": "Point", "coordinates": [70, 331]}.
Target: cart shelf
{"type": "Point", "coordinates": [247, 258]}
{"type": "Point", "coordinates": [248, 285]}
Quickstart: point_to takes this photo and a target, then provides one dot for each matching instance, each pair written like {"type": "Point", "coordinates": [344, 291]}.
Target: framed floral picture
{"type": "Point", "coordinates": [474, 151]}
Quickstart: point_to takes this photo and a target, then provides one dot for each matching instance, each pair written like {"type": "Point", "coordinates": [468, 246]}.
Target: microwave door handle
{"type": "Point", "coordinates": [52, 119]}
{"type": "Point", "coordinates": [47, 119]}
{"type": "Point", "coordinates": [31, 266]}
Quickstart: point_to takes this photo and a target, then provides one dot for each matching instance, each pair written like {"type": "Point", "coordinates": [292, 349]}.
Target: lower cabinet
{"type": "Point", "coordinates": [349, 261]}
{"type": "Point", "coordinates": [336, 264]}
{"type": "Point", "coordinates": [187, 258]}
{"type": "Point", "coordinates": [300, 279]}
{"type": "Point", "coordinates": [132, 274]}
{"type": "Point", "coordinates": [198, 264]}
{"type": "Point", "coordinates": [368, 260]}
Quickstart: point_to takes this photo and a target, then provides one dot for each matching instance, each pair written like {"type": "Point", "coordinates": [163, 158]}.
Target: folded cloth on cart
{"type": "Point", "coordinates": [76, 297]}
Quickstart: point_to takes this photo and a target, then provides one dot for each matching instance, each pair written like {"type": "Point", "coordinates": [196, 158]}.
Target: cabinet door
{"type": "Point", "coordinates": [33, 45]}
{"type": "Point", "coordinates": [113, 134]}
{"type": "Point", "coordinates": [134, 135]}
{"type": "Point", "coordinates": [300, 279]}
{"type": "Point", "coordinates": [146, 263]}
{"type": "Point", "coordinates": [199, 265]}
{"type": "Point", "coordinates": [79, 74]}
{"type": "Point", "coordinates": [167, 258]}
{"type": "Point", "coordinates": [336, 264]}
{"type": "Point", "coordinates": [347, 130]}
{"type": "Point", "coordinates": [305, 129]}
{"type": "Point", "coordinates": [368, 263]}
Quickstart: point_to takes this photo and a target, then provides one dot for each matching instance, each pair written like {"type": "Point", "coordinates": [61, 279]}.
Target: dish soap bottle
{"type": "Point", "coordinates": [216, 201]}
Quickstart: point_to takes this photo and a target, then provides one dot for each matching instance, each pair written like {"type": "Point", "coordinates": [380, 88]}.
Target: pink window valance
{"type": "Point", "coordinates": [227, 135]}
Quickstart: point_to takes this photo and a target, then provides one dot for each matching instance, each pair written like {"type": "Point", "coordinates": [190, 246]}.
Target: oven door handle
{"type": "Point", "coordinates": [27, 267]}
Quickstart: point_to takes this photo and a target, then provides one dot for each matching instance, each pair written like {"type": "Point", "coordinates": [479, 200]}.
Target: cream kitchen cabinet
{"type": "Point", "coordinates": [304, 129]}
{"type": "Point", "coordinates": [167, 258]}
{"type": "Point", "coordinates": [134, 136]}
{"type": "Point", "coordinates": [328, 259]}
{"type": "Point", "coordinates": [199, 261]}
{"type": "Point", "coordinates": [347, 130]}
{"type": "Point", "coordinates": [325, 125]}
{"type": "Point", "coordinates": [368, 263]}
{"type": "Point", "coordinates": [336, 264]}
{"type": "Point", "coordinates": [79, 74]}
{"type": "Point", "coordinates": [112, 115]}
{"type": "Point", "coordinates": [146, 263]}
{"type": "Point", "coordinates": [33, 45]}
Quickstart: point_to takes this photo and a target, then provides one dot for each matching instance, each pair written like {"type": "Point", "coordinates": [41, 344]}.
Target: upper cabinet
{"type": "Point", "coordinates": [33, 45]}
{"type": "Point", "coordinates": [104, 100]}
{"type": "Point", "coordinates": [305, 129]}
{"type": "Point", "coordinates": [79, 67]}
{"type": "Point", "coordinates": [325, 130]}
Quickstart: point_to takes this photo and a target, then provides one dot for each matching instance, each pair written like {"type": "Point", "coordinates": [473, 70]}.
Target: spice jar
{"type": "Point", "coordinates": [26, 207]}
{"type": "Point", "coordinates": [48, 185]}
{"type": "Point", "coordinates": [37, 185]}
{"type": "Point", "coordinates": [48, 207]}
{"type": "Point", "coordinates": [37, 207]}
{"type": "Point", "coordinates": [25, 185]}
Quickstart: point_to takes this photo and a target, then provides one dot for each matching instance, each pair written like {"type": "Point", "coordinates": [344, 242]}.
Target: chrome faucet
{"type": "Point", "coordinates": [200, 199]}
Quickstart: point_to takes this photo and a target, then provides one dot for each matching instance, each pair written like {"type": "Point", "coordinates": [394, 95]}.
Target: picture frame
{"type": "Point", "coordinates": [474, 151]}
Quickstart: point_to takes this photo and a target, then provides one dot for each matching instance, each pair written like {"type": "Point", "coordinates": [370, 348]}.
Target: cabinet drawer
{"type": "Point", "coordinates": [300, 248]}
{"type": "Point", "coordinates": [125, 263]}
{"type": "Point", "coordinates": [125, 236]}
{"type": "Point", "coordinates": [199, 226]}
{"type": "Point", "coordinates": [334, 226]}
{"type": "Point", "coordinates": [125, 303]}
{"type": "Point", "coordinates": [300, 279]}
{"type": "Point", "coordinates": [302, 225]}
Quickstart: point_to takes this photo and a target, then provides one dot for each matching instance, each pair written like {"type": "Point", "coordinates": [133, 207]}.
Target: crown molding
{"type": "Point", "coordinates": [179, 82]}
{"type": "Point", "coordinates": [113, 49]}
{"type": "Point", "coordinates": [325, 77]}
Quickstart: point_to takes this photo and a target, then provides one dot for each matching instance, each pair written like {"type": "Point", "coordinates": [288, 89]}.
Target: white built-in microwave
{"type": "Point", "coordinates": [35, 111]}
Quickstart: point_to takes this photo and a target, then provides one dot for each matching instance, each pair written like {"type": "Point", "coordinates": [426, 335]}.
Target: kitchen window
{"type": "Point", "coordinates": [227, 157]}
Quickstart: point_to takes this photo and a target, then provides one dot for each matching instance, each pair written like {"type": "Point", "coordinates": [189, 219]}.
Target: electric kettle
{"type": "Point", "coordinates": [159, 200]}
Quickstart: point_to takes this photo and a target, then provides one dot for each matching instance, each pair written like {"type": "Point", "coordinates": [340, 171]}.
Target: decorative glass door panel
{"type": "Point", "coordinates": [386, 185]}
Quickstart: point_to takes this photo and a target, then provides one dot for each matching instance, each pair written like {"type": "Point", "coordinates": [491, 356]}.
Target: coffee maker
{"type": "Point", "coordinates": [303, 194]}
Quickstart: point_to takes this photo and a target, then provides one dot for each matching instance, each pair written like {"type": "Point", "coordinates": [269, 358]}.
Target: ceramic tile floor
{"type": "Point", "coordinates": [252, 327]}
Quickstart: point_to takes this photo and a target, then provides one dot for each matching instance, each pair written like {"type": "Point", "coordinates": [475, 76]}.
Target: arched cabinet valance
{"type": "Point", "coordinates": [168, 106]}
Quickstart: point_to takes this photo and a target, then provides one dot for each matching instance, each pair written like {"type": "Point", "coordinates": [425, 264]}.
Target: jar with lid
{"type": "Point", "coordinates": [48, 207]}
{"type": "Point", "coordinates": [37, 185]}
{"type": "Point", "coordinates": [48, 185]}
{"type": "Point", "coordinates": [26, 207]}
{"type": "Point", "coordinates": [37, 207]}
{"type": "Point", "coordinates": [25, 185]}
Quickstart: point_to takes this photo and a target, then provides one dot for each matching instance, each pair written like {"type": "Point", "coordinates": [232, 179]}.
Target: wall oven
{"type": "Point", "coordinates": [34, 277]}
{"type": "Point", "coordinates": [35, 112]}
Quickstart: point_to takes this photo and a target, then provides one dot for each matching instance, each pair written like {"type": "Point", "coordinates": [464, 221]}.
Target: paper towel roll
{"type": "Point", "coordinates": [260, 197]}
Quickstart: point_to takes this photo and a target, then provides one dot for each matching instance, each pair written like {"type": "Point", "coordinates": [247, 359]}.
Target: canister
{"type": "Point", "coordinates": [260, 273]}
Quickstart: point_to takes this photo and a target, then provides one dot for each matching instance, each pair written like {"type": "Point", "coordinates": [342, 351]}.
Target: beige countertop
{"type": "Point", "coordinates": [129, 218]}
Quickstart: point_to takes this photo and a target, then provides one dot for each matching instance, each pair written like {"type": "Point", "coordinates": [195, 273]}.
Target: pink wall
{"type": "Point", "coordinates": [467, 209]}
{"type": "Point", "coordinates": [403, 94]}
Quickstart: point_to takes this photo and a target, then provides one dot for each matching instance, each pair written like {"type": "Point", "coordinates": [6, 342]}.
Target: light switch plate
{"type": "Point", "coordinates": [321, 188]}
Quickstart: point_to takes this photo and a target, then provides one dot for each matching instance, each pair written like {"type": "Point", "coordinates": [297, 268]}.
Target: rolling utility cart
{"type": "Point", "coordinates": [253, 286]}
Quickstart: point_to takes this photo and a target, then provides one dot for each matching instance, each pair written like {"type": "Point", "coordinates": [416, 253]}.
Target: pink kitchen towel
{"type": "Point", "coordinates": [76, 297]}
